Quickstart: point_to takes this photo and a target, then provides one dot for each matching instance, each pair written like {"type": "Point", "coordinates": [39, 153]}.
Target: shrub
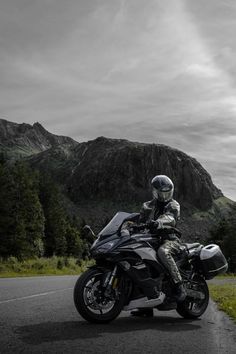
{"type": "Point", "coordinates": [60, 264]}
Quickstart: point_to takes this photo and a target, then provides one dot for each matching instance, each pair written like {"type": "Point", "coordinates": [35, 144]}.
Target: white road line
{"type": "Point", "coordinates": [32, 296]}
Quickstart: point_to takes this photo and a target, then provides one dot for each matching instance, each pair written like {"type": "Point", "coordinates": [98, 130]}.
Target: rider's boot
{"type": "Point", "coordinates": [143, 312]}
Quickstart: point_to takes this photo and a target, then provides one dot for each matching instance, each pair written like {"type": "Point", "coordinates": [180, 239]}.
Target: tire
{"type": "Point", "coordinates": [88, 310]}
{"type": "Point", "coordinates": [194, 309]}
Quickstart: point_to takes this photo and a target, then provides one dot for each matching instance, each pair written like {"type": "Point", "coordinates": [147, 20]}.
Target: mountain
{"type": "Point", "coordinates": [104, 175]}
{"type": "Point", "coordinates": [108, 169]}
{"type": "Point", "coordinates": [20, 140]}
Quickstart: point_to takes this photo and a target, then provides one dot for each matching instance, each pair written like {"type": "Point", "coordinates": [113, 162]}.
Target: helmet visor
{"type": "Point", "coordinates": [162, 196]}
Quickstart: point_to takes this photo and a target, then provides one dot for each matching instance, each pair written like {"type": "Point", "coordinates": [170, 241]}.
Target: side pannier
{"type": "Point", "coordinates": [213, 261]}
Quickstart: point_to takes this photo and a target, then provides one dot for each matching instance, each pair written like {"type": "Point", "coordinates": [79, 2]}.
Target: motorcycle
{"type": "Point", "coordinates": [128, 274]}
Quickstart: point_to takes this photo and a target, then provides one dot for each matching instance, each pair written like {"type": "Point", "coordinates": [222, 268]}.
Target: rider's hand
{"type": "Point", "coordinates": [153, 224]}
{"type": "Point", "coordinates": [134, 228]}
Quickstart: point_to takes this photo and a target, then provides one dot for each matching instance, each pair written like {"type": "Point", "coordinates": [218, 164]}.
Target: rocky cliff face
{"type": "Point", "coordinates": [109, 169]}
{"type": "Point", "coordinates": [18, 140]}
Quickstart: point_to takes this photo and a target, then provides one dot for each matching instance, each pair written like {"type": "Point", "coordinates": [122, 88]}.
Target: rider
{"type": "Point", "coordinates": [164, 211]}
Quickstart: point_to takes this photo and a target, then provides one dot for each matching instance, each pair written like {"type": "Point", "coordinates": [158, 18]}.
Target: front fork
{"type": "Point", "coordinates": [110, 282]}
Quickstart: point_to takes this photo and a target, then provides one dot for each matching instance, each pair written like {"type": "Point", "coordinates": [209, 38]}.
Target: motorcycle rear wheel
{"type": "Point", "coordinates": [191, 308]}
{"type": "Point", "coordinates": [89, 301]}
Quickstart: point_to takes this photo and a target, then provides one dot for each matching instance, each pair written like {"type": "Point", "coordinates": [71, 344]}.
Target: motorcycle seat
{"type": "Point", "coordinates": [192, 245]}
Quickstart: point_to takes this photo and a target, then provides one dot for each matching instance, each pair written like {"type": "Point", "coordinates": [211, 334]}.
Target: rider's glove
{"type": "Point", "coordinates": [153, 224]}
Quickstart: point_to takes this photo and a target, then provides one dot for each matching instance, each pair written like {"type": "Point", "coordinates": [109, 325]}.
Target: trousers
{"type": "Point", "coordinates": [165, 253]}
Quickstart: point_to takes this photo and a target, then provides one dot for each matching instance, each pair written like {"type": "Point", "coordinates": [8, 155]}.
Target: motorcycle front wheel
{"type": "Point", "coordinates": [194, 308]}
{"type": "Point", "coordinates": [91, 301]}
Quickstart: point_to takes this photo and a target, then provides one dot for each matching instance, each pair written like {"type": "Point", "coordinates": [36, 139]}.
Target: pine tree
{"type": "Point", "coordinates": [56, 223]}
{"type": "Point", "coordinates": [22, 219]}
{"type": "Point", "coordinates": [29, 211]}
{"type": "Point", "coordinates": [75, 246]}
{"type": "Point", "coordinates": [7, 213]}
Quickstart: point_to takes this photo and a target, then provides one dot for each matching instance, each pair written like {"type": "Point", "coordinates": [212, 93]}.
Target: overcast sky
{"type": "Point", "coordinates": [159, 71]}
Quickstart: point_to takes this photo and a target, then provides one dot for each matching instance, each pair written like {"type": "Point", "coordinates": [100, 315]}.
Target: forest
{"type": "Point", "coordinates": [33, 219]}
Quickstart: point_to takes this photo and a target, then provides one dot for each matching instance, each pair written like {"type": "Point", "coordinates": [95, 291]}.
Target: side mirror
{"type": "Point", "coordinates": [88, 229]}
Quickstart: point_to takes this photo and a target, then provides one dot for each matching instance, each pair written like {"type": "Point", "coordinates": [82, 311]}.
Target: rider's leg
{"type": "Point", "coordinates": [165, 254]}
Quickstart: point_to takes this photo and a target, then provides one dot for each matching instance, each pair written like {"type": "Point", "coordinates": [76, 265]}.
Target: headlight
{"type": "Point", "coordinates": [106, 246]}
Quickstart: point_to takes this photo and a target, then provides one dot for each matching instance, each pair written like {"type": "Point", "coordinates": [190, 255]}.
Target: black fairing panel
{"type": "Point", "coordinates": [113, 226]}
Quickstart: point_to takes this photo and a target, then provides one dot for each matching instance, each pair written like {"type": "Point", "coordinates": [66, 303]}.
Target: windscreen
{"type": "Point", "coordinates": [114, 224]}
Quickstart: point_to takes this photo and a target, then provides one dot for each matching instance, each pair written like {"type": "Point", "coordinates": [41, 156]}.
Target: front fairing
{"type": "Point", "coordinates": [108, 246]}
{"type": "Point", "coordinates": [111, 231]}
{"type": "Point", "coordinates": [114, 225]}
{"type": "Point", "coordinates": [101, 241]}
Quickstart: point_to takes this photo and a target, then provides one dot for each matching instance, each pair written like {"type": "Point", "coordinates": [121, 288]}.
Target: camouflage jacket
{"type": "Point", "coordinates": [167, 214]}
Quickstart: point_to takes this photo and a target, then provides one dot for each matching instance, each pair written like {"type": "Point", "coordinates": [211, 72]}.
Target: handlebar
{"type": "Point", "coordinates": [140, 227]}
{"type": "Point", "coordinates": [151, 226]}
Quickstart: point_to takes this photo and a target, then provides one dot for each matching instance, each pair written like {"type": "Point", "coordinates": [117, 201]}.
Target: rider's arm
{"type": "Point", "coordinates": [170, 216]}
{"type": "Point", "coordinates": [146, 211]}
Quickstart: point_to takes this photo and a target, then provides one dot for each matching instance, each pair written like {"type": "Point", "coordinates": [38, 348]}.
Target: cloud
{"type": "Point", "coordinates": [156, 71]}
{"type": "Point", "coordinates": [202, 70]}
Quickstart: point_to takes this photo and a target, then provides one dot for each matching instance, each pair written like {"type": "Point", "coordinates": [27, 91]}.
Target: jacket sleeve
{"type": "Point", "coordinates": [146, 211]}
{"type": "Point", "coordinates": [170, 216]}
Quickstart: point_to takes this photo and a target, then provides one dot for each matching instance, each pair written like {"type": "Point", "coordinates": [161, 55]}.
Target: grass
{"type": "Point", "coordinates": [225, 297]}
{"type": "Point", "coordinates": [226, 275]}
{"type": "Point", "coordinates": [220, 205]}
{"type": "Point", "coordinates": [42, 266]}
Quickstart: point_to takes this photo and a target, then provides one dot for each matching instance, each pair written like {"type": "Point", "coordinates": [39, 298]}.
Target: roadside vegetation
{"type": "Point", "coordinates": [224, 235]}
{"type": "Point", "coordinates": [225, 297]}
{"type": "Point", "coordinates": [37, 233]}
{"type": "Point", "coordinates": [12, 267]}
{"type": "Point", "coordinates": [226, 275]}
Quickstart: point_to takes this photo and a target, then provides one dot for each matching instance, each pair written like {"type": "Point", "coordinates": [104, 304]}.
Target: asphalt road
{"type": "Point", "coordinates": [37, 315]}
